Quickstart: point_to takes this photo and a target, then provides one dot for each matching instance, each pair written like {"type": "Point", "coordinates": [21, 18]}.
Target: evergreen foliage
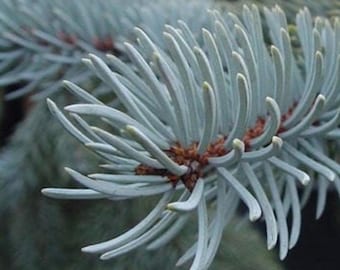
{"type": "Point", "coordinates": [43, 43]}
{"type": "Point", "coordinates": [40, 55]}
{"type": "Point", "coordinates": [212, 146]}
{"type": "Point", "coordinates": [328, 8]}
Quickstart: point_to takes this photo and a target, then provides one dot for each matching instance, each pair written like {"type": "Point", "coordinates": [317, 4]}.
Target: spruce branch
{"type": "Point", "coordinates": [195, 163]}
{"type": "Point", "coordinates": [42, 43]}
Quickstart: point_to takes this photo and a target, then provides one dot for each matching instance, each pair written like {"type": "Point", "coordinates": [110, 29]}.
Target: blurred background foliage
{"type": "Point", "coordinates": [39, 233]}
